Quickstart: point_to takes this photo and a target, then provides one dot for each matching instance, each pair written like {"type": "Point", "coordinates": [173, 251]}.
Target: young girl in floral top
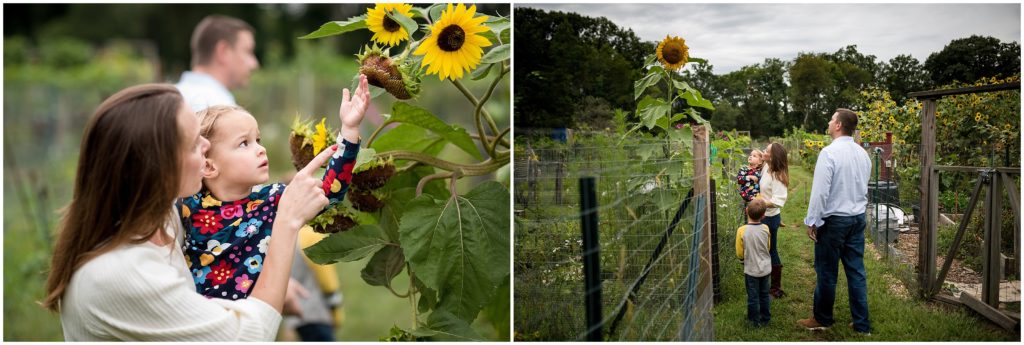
{"type": "Point", "coordinates": [229, 221]}
{"type": "Point", "coordinates": [749, 176]}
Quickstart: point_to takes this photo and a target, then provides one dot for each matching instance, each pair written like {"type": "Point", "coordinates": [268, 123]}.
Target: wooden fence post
{"type": "Point", "coordinates": [993, 261]}
{"type": "Point", "coordinates": [702, 190]}
{"type": "Point", "coordinates": [927, 236]}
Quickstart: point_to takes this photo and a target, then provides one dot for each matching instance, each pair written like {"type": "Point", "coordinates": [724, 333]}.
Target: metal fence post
{"type": "Point", "coordinates": [716, 278]}
{"type": "Point", "coordinates": [591, 257]}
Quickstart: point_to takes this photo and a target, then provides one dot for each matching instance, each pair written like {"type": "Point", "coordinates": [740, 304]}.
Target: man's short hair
{"type": "Point", "coordinates": [213, 29]}
{"type": "Point", "coordinates": [756, 209]}
{"type": "Point", "coordinates": [848, 119]}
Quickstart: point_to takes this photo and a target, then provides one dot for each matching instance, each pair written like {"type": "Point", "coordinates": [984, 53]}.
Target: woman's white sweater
{"type": "Point", "coordinates": [146, 292]}
{"type": "Point", "coordinates": [773, 191]}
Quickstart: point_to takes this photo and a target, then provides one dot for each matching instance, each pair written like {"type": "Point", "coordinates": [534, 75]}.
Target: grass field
{"type": "Point", "coordinates": [895, 314]}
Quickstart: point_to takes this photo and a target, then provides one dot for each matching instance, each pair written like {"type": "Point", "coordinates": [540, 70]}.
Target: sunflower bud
{"type": "Point", "coordinates": [365, 200]}
{"type": "Point", "coordinates": [374, 174]}
{"type": "Point", "coordinates": [333, 220]}
{"type": "Point", "coordinates": [398, 77]}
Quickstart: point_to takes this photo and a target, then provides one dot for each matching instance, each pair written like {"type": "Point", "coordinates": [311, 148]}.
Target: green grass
{"type": "Point", "coordinates": [895, 315]}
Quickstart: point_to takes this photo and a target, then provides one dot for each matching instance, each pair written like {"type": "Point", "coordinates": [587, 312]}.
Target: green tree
{"type": "Point", "coordinates": [901, 75]}
{"type": "Point", "coordinates": [969, 59]}
{"type": "Point", "coordinates": [564, 58]}
{"type": "Point", "coordinates": [811, 80]}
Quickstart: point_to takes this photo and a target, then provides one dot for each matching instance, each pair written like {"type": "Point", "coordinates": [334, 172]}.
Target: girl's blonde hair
{"type": "Point", "coordinates": [208, 117]}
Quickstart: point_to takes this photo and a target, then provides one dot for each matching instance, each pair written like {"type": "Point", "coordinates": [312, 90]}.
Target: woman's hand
{"type": "Point", "coordinates": [352, 110]}
{"type": "Point", "coordinates": [304, 197]}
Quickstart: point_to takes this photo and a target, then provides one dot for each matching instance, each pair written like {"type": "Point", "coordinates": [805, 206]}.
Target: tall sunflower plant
{"type": "Point", "coordinates": [661, 88]}
{"type": "Point", "coordinates": [453, 244]}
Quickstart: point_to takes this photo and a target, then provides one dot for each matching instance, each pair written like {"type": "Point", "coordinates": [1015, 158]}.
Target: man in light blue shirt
{"type": "Point", "coordinates": [222, 60]}
{"type": "Point", "coordinates": [835, 222]}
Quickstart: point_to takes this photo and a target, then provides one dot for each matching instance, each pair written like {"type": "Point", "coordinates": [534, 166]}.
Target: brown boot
{"type": "Point", "coordinates": [776, 286]}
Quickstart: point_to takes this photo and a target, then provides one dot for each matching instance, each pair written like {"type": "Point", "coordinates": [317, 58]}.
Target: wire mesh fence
{"type": "Point", "coordinates": [653, 285]}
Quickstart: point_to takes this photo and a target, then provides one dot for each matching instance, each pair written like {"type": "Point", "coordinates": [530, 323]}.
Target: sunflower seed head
{"type": "Point", "coordinates": [399, 78]}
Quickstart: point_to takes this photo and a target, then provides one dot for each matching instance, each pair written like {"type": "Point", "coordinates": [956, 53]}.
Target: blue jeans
{"type": "Point", "coordinates": [841, 239]}
{"type": "Point", "coordinates": [758, 300]}
{"type": "Point", "coordinates": [315, 332]}
{"type": "Point", "coordinates": [773, 223]}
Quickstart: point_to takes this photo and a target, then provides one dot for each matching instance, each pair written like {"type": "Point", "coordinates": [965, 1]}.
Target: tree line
{"type": "Point", "coordinates": [573, 71]}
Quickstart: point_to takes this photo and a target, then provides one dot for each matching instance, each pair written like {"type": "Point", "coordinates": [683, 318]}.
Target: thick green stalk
{"type": "Point", "coordinates": [482, 168]}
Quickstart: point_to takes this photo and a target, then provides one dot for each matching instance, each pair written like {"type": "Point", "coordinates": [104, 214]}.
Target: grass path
{"type": "Point", "coordinates": [895, 314]}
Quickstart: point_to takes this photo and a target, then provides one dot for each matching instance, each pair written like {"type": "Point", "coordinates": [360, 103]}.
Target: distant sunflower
{"type": "Point", "coordinates": [455, 44]}
{"type": "Point", "coordinates": [386, 30]}
{"type": "Point", "coordinates": [673, 53]}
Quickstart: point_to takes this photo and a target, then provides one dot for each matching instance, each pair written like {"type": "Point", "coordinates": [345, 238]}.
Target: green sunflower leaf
{"type": "Point", "coordinates": [651, 109]}
{"type": "Point", "coordinates": [641, 85]}
{"type": "Point", "coordinates": [407, 23]}
{"type": "Point", "coordinates": [680, 85]}
{"type": "Point", "coordinates": [482, 72]}
{"type": "Point", "coordinates": [684, 134]}
{"type": "Point", "coordinates": [435, 11]}
{"type": "Point", "coordinates": [407, 113]}
{"type": "Point", "coordinates": [338, 27]}
{"type": "Point", "coordinates": [497, 54]}
{"type": "Point", "coordinates": [450, 327]}
{"type": "Point", "coordinates": [694, 99]}
{"type": "Point", "coordinates": [387, 263]}
{"type": "Point", "coordinates": [364, 156]}
{"type": "Point", "coordinates": [459, 246]}
{"type": "Point", "coordinates": [698, 60]}
{"type": "Point", "coordinates": [505, 35]}
{"type": "Point", "coordinates": [408, 137]}
{"type": "Point", "coordinates": [351, 245]}
{"type": "Point", "coordinates": [420, 13]}
{"type": "Point", "coordinates": [498, 25]}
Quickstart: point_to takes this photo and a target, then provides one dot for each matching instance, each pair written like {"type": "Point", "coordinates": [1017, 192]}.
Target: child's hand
{"type": "Point", "coordinates": [752, 178]}
{"type": "Point", "coordinates": [352, 110]}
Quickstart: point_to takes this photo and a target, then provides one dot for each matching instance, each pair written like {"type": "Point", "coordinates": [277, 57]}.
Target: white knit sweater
{"type": "Point", "coordinates": [146, 292]}
{"type": "Point", "coordinates": [773, 191]}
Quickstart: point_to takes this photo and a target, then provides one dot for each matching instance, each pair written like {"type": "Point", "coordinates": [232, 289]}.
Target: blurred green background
{"type": "Point", "coordinates": [61, 61]}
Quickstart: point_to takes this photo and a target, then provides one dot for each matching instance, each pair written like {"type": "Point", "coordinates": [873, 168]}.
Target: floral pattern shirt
{"type": "Point", "coordinates": [226, 241]}
{"type": "Point", "coordinates": [749, 189]}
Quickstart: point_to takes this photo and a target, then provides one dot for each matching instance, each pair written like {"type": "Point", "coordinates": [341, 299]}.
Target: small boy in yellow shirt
{"type": "Point", "coordinates": [752, 243]}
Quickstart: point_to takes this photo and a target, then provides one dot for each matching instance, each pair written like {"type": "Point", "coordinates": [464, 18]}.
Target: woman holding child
{"type": "Point", "coordinates": [118, 270]}
{"type": "Point", "coordinates": [774, 185]}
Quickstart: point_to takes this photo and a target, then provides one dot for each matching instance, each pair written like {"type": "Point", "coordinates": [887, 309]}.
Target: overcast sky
{"type": "Point", "coordinates": [731, 36]}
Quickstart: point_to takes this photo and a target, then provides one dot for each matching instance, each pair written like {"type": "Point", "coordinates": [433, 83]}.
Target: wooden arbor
{"type": "Point", "coordinates": [995, 179]}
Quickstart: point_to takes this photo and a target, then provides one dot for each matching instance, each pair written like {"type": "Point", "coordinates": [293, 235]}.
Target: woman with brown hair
{"type": "Point", "coordinates": [118, 272]}
{"type": "Point", "coordinates": [774, 191]}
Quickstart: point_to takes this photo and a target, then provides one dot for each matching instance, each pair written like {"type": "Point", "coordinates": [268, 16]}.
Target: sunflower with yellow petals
{"type": "Point", "coordinates": [386, 30]}
{"type": "Point", "coordinates": [673, 52]}
{"type": "Point", "coordinates": [455, 45]}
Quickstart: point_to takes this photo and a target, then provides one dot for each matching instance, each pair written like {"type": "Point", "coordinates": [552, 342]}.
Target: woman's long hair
{"type": "Point", "coordinates": [127, 180]}
{"type": "Point", "coordinates": [778, 165]}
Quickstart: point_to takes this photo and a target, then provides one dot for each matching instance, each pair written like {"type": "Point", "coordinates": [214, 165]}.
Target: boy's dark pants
{"type": "Point", "coordinates": [758, 300]}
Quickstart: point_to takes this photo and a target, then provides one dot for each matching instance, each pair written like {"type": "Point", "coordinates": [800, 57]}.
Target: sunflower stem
{"type": "Point", "coordinates": [472, 99]}
{"type": "Point", "coordinates": [487, 96]}
{"type": "Point", "coordinates": [478, 169]}
{"type": "Point", "coordinates": [412, 297]}
{"type": "Point", "coordinates": [423, 181]}
{"type": "Point", "coordinates": [377, 131]}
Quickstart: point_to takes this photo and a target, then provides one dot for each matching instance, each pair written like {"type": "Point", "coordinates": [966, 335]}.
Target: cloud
{"type": "Point", "coordinates": [731, 36]}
